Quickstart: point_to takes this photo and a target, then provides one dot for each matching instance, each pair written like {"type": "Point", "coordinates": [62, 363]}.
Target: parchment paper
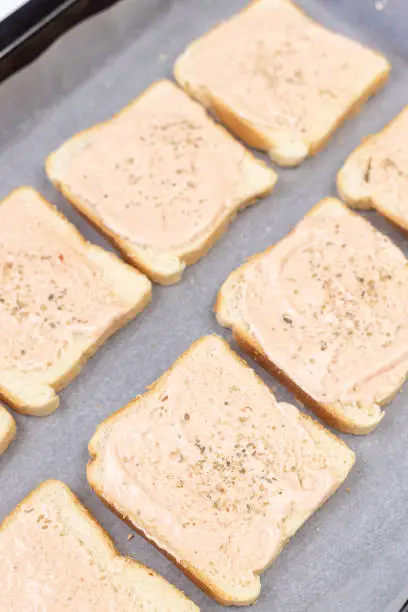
{"type": "Point", "coordinates": [352, 556]}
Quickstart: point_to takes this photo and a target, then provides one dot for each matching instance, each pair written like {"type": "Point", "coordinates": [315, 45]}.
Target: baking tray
{"type": "Point", "coordinates": [353, 554]}
{"type": "Point", "coordinates": [26, 32]}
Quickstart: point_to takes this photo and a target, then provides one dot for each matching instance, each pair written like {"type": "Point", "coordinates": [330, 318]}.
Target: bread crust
{"type": "Point", "coordinates": [330, 413]}
{"type": "Point", "coordinates": [7, 429]}
{"type": "Point", "coordinates": [132, 253]}
{"type": "Point", "coordinates": [189, 570]}
{"type": "Point", "coordinates": [369, 199]}
{"type": "Point", "coordinates": [256, 138]}
{"type": "Point", "coordinates": [67, 375]}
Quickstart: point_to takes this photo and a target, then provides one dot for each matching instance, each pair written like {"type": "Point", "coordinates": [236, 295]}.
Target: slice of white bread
{"type": "Point", "coordinates": [60, 299]}
{"type": "Point", "coordinates": [375, 174]}
{"type": "Point", "coordinates": [7, 429]}
{"type": "Point", "coordinates": [325, 310]}
{"type": "Point", "coordinates": [213, 471]}
{"type": "Point", "coordinates": [54, 556]}
{"type": "Point", "coordinates": [279, 80]}
{"type": "Point", "coordinates": [160, 179]}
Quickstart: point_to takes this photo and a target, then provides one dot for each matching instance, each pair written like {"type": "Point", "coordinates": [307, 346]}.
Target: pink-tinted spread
{"type": "Point", "coordinates": [382, 165]}
{"type": "Point", "coordinates": [211, 466]}
{"type": "Point", "coordinates": [50, 291]}
{"type": "Point", "coordinates": [280, 71]}
{"type": "Point", "coordinates": [160, 174]}
{"type": "Point", "coordinates": [329, 306]}
{"type": "Point", "coordinates": [47, 564]}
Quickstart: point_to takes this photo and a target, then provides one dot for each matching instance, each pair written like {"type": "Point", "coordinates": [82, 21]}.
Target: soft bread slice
{"type": "Point", "coordinates": [7, 429]}
{"type": "Point", "coordinates": [160, 179]}
{"type": "Point", "coordinates": [213, 471]}
{"type": "Point", "coordinates": [280, 81]}
{"type": "Point", "coordinates": [55, 557]}
{"type": "Point", "coordinates": [60, 299]}
{"type": "Point", "coordinates": [375, 174]}
{"type": "Point", "coordinates": [325, 310]}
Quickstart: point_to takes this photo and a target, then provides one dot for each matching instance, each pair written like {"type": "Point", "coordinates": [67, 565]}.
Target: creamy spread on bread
{"type": "Point", "coordinates": [50, 291]}
{"type": "Point", "coordinates": [161, 173]}
{"type": "Point", "coordinates": [328, 305]}
{"type": "Point", "coordinates": [273, 67]}
{"type": "Point", "coordinates": [379, 168]}
{"type": "Point", "coordinates": [52, 559]}
{"type": "Point", "coordinates": [210, 466]}
{"type": "Point", "coordinates": [43, 566]}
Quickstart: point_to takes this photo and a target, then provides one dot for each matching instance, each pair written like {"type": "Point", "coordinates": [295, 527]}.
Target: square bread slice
{"type": "Point", "coordinates": [375, 174]}
{"type": "Point", "coordinates": [213, 471]}
{"type": "Point", "coordinates": [280, 81]}
{"type": "Point", "coordinates": [325, 310]}
{"type": "Point", "coordinates": [7, 429]}
{"type": "Point", "coordinates": [160, 179]}
{"type": "Point", "coordinates": [60, 299]}
{"type": "Point", "coordinates": [54, 556]}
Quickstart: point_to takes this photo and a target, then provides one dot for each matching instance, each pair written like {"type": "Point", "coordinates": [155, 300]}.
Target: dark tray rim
{"type": "Point", "coordinates": [27, 32]}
